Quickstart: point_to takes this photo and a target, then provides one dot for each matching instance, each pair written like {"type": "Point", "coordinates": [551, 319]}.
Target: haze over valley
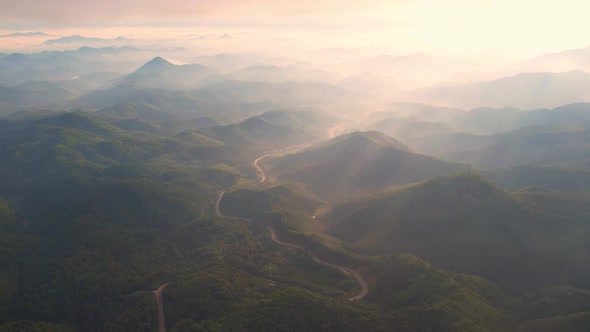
{"type": "Point", "coordinates": [276, 166]}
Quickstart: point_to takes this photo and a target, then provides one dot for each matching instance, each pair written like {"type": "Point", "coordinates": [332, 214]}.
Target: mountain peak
{"type": "Point", "coordinates": [372, 137]}
{"type": "Point", "coordinates": [14, 57]}
{"type": "Point", "coordinates": [157, 62]}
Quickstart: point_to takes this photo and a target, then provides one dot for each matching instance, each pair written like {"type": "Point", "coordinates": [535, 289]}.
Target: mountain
{"type": "Point", "coordinates": [274, 73]}
{"type": "Point", "coordinates": [251, 203]}
{"type": "Point", "coordinates": [493, 137]}
{"type": "Point", "coordinates": [552, 178]}
{"type": "Point", "coordinates": [136, 110]}
{"type": "Point", "coordinates": [137, 125]}
{"type": "Point", "coordinates": [357, 161]}
{"type": "Point", "coordinates": [414, 290]}
{"type": "Point", "coordinates": [257, 131]}
{"type": "Point", "coordinates": [417, 111]}
{"type": "Point", "coordinates": [464, 223]}
{"type": "Point", "coordinates": [311, 119]}
{"type": "Point", "coordinates": [26, 34]}
{"type": "Point", "coordinates": [52, 66]}
{"type": "Point", "coordinates": [409, 130]}
{"type": "Point", "coordinates": [526, 91]}
{"type": "Point", "coordinates": [489, 120]}
{"type": "Point", "coordinates": [226, 63]}
{"type": "Point", "coordinates": [558, 146]}
{"type": "Point", "coordinates": [88, 82]}
{"type": "Point", "coordinates": [30, 95]}
{"type": "Point", "coordinates": [162, 74]}
{"type": "Point", "coordinates": [82, 122]}
{"type": "Point", "coordinates": [288, 94]}
{"type": "Point", "coordinates": [228, 97]}
{"type": "Point", "coordinates": [574, 59]}
{"type": "Point", "coordinates": [77, 39]}
{"type": "Point", "coordinates": [97, 210]}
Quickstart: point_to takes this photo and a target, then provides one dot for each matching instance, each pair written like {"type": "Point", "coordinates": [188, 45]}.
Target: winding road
{"type": "Point", "coordinates": [346, 270]}
{"type": "Point", "coordinates": [161, 320]}
{"type": "Point", "coordinates": [160, 303]}
{"type": "Point", "coordinates": [261, 173]}
{"type": "Point", "coordinates": [262, 178]}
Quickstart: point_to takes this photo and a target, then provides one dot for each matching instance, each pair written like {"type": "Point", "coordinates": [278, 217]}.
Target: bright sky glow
{"type": "Point", "coordinates": [521, 27]}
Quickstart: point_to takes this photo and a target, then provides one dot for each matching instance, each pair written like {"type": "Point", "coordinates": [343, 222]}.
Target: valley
{"type": "Point", "coordinates": [281, 167]}
{"type": "Point", "coordinates": [346, 270]}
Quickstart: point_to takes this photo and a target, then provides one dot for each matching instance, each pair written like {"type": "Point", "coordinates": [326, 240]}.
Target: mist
{"type": "Point", "coordinates": [294, 166]}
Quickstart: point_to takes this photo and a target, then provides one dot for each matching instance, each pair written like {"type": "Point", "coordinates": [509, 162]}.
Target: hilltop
{"type": "Point", "coordinates": [163, 74]}
{"type": "Point", "coordinates": [357, 161]}
{"type": "Point", "coordinates": [465, 223]}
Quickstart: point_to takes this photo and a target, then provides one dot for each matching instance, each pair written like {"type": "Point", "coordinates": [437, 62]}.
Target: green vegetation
{"type": "Point", "coordinates": [554, 178]}
{"type": "Point", "coordinates": [425, 298]}
{"type": "Point", "coordinates": [355, 162]}
{"type": "Point", "coordinates": [273, 129]}
{"type": "Point", "coordinates": [465, 223]}
{"type": "Point", "coordinates": [99, 210]}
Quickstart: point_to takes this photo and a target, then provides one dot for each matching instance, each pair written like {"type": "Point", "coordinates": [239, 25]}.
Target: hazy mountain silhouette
{"type": "Point", "coordinates": [465, 223]}
{"type": "Point", "coordinates": [357, 161]}
{"type": "Point", "coordinates": [77, 39]}
{"type": "Point", "coordinates": [162, 74]}
{"type": "Point", "coordinates": [526, 90]}
{"type": "Point", "coordinates": [26, 34]}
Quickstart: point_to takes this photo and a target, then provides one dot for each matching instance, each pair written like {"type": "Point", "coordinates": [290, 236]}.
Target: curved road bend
{"type": "Point", "coordinates": [346, 270]}
{"type": "Point", "coordinates": [260, 171]}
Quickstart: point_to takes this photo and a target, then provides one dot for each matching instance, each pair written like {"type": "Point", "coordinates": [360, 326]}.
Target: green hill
{"type": "Point", "coordinates": [315, 119]}
{"type": "Point", "coordinates": [160, 73]}
{"type": "Point", "coordinates": [136, 125]}
{"type": "Point", "coordinates": [31, 95]}
{"type": "Point", "coordinates": [465, 223]}
{"type": "Point", "coordinates": [577, 322]}
{"type": "Point", "coordinates": [83, 122]}
{"type": "Point", "coordinates": [416, 292]}
{"type": "Point", "coordinates": [550, 303]}
{"type": "Point", "coordinates": [525, 90]}
{"type": "Point", "coordinates": [357, 161]}
{"type": "Point", "coordinates": [257, 131]}
{"type": "Point", "coordinates": [249, 203]}
{"type": "Point", "coordinates": [554, 178]}
{"type": "Point", "coordinates": [135, 110]}
{"type": "Point", "coordinates": [94, 216]}
{"type": "Point", "coordinates": [550, 145]}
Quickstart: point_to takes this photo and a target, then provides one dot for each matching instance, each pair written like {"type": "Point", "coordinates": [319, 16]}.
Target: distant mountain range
{"type": "Point", "coordinates": [560, 61]}
{"type": "Point", "coordinates": [77, 39]}
{"type": "Point", "coordinates": [526, 90]}
{"type": "Point", "coordinates": [17, 68]}
{"type": "Point", "coordinates": [26, 34]}
{"type": "Point", "coordinates": [274, 128]}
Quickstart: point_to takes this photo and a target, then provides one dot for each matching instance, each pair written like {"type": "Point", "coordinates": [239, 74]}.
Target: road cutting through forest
{"type": "Point", "coordinates": [346, 270]}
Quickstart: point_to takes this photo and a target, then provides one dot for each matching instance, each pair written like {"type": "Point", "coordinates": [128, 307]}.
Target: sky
{"type": "Point", "coordinates": [519, 27]}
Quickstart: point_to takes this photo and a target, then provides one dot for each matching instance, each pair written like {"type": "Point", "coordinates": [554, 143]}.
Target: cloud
{"type": "Point", "coordinates": [79, 12]}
